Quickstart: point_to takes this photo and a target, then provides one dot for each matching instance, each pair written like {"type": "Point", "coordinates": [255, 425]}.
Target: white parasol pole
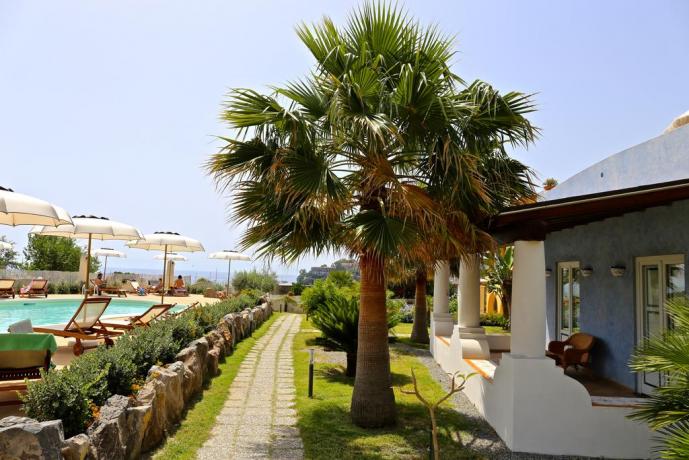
{"type": "Point", "coordinates": [88, 269]}
{"type": "Point", "coordinates": [162, 294]}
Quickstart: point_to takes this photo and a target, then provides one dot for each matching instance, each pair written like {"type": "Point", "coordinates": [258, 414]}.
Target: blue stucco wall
{"type": "Point", "coordinates": [660, 159]}
{"type": "Point", "coordinates": [608, 309]}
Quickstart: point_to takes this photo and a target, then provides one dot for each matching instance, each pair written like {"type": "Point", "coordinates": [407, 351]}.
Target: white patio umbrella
{"type": "Point", "coordinates": [228, 255]}
{"type": "Point", "coordinates": [107, 252]}
{"type": "Point", "coordinates": [166, 242]}
{"type": "Point", "coordinates": [18, 209]}
{"type": "Point", "coordinates": [171, 256]}
{"type": "Point", "coordinates": [5, 245]}
{"type": "Point", "coordinates": [90, 228]}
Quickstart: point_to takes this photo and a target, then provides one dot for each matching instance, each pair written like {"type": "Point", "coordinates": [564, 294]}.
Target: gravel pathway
{"type": "Point", "coordinates": [259, 419]}
{"type": "Point", "coordinates": [483, 440]}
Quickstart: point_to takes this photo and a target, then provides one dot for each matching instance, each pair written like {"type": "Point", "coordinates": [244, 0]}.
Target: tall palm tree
{"type": "Point", "coordinates": [405, 271]}
{"type": "Point", "coordinates": [379, 147]}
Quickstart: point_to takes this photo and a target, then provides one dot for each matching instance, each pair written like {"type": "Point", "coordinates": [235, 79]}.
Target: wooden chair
{"type": "Point", "coordinates": [575, 351]}
{"type": "Point", "coordinates": [7, 288]}
{"type": "Point", "coordinates": [22, 357]}
{"type": "Point", "coordinates": [35, 288]}
{"type": "Point", "coordinates": [84, 325]}
{"type": "Point", "coordinates": [145, 319]}
{"type": "Point", "coordinates": [105, 289]}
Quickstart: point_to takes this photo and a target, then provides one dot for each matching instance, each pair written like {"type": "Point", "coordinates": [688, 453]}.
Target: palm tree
{"type": "Point", "coordinates": [667, 410]}
{"type": "Point", "coordinates": [405, 271]}
{"type": "Point", "coordinates": [379, 147]}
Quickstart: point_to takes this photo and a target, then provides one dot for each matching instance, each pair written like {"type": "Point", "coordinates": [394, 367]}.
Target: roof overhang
{"type": "Point", "coordinates": [534, 221]}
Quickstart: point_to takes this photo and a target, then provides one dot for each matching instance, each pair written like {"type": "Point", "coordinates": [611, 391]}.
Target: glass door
{"type": "Point", "coordinates": [568, 299]}
{"type": "Point", "coordinates": [658, 279]}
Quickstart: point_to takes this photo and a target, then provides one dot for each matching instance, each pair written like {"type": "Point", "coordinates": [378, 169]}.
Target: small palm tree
{"type": "Point", "coordinates": [338, 320]}
{"type": "Point", "coordinates": [381, 147]}
{"type": "Point", "coordinates": [667, 410]}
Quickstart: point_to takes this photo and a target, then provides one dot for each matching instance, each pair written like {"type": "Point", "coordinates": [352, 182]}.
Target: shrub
{"type": "Point", "coordinates": [63, 395]}
{"type": "Point", "coordinates": [297, 288]}
{"type": "Point", "coordinates": [495, 319]}
{"type": "Point", "coordinates": [71, 393]}
{"type": "Point", "coordinates": [263, 281]}
{"type": "Point", "coordinates": [338, 321]}
{"type": "Point", "coordinates": [201, 284]}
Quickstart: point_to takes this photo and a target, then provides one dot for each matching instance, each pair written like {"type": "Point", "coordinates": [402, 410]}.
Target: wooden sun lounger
{"type": "Point", "coordinates": [145, 319]}
{"type": "Point", "coordinates": [21, 363]}
{"type": "Point", "coordinates": [7, 288]}
{"type": "Point", "coordinates": [84, 325]}
{"type": "Point", "coordinates": [105, 289]}
{"type": "Point", "coordinates": [35, 288]}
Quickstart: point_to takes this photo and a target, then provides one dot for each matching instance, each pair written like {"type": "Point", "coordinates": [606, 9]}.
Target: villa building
{"type": "Point", "coordinates": [600, 254]}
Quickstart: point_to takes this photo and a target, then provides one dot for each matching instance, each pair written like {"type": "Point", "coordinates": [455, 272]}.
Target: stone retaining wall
{"type": "Point", "coordinates": [128, 426]}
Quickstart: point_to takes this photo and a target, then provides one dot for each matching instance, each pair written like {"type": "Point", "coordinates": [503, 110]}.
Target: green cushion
{"type": "Point", "coordinates": [28, 342]}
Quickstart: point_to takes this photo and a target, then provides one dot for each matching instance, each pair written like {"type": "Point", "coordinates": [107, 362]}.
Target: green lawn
{"type": "Point", "coordinates": [402, 329]}
{"type": "Point", "coordinates": [324, 421]}
{"type": "Point", "coordinates": [199, 420]}
{"type": "Point", "coordinates": [495, 330]}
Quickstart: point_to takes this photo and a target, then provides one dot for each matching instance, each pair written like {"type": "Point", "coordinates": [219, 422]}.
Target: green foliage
{"type": "Point", "coordinates": [201, 284]}
{"type": "Point", "coordinates": [65, 287]}
{"type": "Point", "coordinates": [264, 281]}
{"type": "Point", "coordinates": [297, 288]}
{"type": "Point", "coordinates": [495, 319]}
{"type": "Point", "coordinates": [93, 377]}
{"type": "Point", "coordinates": [338, 320]}
{"type": "Point", "coordinates": [322, 292]}
{"type": "Point", "coordinates": [341, 278]}
{"type": "Point", "coordinates": [667, 410]}
{"type": "Point", "coordinates": [8, 257]}
{"type": "Point", "coordinates": [497, 270]}
{"type": "Point", "coordinates": [63, 395]}
{"type": "Point", "coordinates": [453, 305]}
{"type": "Point", "coordinates": [364, 152]}
{"type": "Point", "coordinates": [55, 253]}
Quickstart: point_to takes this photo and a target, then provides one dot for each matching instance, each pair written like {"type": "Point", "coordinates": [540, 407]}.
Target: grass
{"type": "Point", "coordinates": [325, 424]}
{"type": "Point", "coordinates": [496, 330]}
{"type": "Point", "coordinates": [402, 329]}
{"type": "Point", "coordinates": [200, 419]}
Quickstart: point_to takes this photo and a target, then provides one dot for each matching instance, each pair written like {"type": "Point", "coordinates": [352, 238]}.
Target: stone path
{"type": "Point", "coordinates": [259, 419]}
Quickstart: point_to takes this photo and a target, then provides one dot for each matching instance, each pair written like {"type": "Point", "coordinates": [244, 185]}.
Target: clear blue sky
{"type": "Point", "coordinates": [110, 108]}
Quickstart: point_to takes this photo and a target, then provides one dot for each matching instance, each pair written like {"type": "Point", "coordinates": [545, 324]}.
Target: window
{"type": "Point", "coordinates": [568, 298]}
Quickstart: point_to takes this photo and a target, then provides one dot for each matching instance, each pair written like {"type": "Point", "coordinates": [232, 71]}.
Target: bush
{"type": "Point", "coordinates": [201, 284]}
{"type": "Point", "coordinates": [71, 393]}
{"type": "Point", "coordinates": [495, 319]}
{"type": "Point", "coordinates": [297, 288]}
{"type": "Point", "coordinates": [338, 321]}
{"type": "Point", "coordinates": [263, 281]}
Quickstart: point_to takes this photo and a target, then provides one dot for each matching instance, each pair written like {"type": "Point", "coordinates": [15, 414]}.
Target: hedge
{"type": "Point", "coordinates": [74, 393]}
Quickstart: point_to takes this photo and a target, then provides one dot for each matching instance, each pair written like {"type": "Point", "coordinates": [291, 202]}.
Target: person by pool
{"type": "Point", "coordinates": [179, 287]}
{"type": "Point", "coordinates": [98, 284]}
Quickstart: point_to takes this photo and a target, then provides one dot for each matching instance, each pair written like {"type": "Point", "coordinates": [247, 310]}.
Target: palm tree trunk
{"type": "Point", "coordinates": [419, 332]}
{"type": "Point", "coordinates": [373, 401]}
{"type": "Point", "coordinates": [351, 365]}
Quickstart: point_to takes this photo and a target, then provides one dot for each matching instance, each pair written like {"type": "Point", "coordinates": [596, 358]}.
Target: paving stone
{"type": "Point", "coordinates": [258, 417]}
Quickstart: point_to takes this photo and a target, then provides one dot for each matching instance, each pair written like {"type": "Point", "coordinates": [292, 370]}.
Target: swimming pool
{"type": "Point", "coordinates": [59, 311]}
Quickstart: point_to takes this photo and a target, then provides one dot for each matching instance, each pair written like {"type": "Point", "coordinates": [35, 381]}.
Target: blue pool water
{"type": "Point", "coordinates": [59, 311]}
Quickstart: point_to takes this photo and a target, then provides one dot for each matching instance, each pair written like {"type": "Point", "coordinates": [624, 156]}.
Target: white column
{"type": "Point", "coordinates": [528, 299]}
{"type": "Point", "coordinates": [441, 320]}
{"type": "Point", "coordinates": [469, 294]}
